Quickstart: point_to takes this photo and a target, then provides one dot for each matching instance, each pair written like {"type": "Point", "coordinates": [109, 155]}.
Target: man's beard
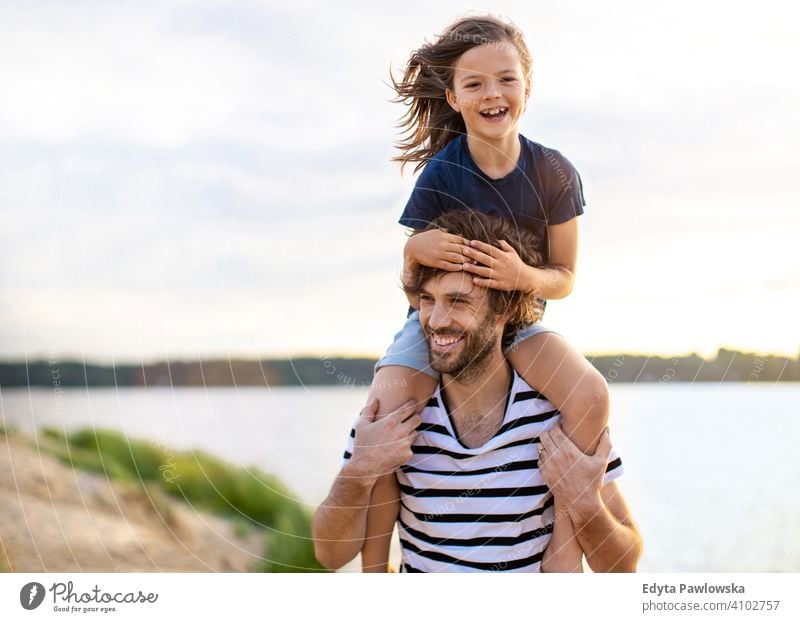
{"type": "Point", "coordinates": [476, 348]}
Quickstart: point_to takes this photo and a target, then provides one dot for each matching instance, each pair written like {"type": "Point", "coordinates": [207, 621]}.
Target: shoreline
{"type": "Point", "coordinates": [57, 517]}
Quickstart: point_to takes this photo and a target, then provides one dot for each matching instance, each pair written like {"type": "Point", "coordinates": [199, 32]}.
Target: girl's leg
{"type": "Point", "coordinates": [393, 386]}
{"type": "Point", "coordinates": [398, 378]}
{"type": "Point", "coordinates": [563, 553]}
{"type": "Point", "coordinates": [381, 517]}
{"type": "Point", "coordinates": [553, 367]}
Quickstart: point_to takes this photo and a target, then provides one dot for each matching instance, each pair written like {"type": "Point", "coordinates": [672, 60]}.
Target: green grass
{"type": "Point", "coordinates": [5, 566]}
{"type": "Point", "coordinates": [247, 496]}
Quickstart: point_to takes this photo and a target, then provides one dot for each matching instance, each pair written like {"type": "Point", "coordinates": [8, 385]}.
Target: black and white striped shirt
{"type": "Point", "coordinates": [484, 508]}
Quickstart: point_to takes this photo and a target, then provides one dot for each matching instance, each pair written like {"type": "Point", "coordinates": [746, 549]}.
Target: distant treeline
{"type": "Point", "coordinates": [726, 366]}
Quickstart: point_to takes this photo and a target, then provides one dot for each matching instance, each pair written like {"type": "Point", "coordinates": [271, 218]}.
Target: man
{"type": "Point", "coordinates": [487, 479]}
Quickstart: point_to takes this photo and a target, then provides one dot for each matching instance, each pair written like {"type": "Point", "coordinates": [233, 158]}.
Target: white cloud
{"type": "Point", "coordinates": [166, 165]}
{"type": "Point", "coordinates": [127, 79]}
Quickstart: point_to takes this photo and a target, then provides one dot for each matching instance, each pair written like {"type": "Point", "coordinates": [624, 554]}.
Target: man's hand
{"type": "Point", "coordinates": [573, 477]}
{"type": "Point", "coordinates": [500, 268]}
{"type": "Point", "coordinates": [340, 522]}
{"type": "Point", "coordinates": [437, 249]}
{"type": "Point", "coordinates": [383, 445]}
{"type": "Point", "coordinates": [603, 524]}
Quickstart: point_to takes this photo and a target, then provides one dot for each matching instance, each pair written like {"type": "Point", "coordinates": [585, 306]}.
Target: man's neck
{"type": "Point", "coordinates": [483, 392]}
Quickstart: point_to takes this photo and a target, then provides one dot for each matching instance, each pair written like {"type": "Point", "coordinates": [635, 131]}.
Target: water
{"type": "Point", "coordinates": [711, 469]}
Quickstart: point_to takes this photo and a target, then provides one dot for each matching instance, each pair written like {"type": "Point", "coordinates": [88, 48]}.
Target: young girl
{"type": "Point", "coordinates": [466, 93]}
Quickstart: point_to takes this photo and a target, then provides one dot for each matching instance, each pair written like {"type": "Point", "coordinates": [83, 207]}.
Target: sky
{"type": "Point", "coordinates": [214, 179]}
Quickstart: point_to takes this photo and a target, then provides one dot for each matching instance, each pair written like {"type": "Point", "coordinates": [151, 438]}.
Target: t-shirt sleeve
{"type": "Point", "coordinates": [428, 198]}
{"type": "Point", "coordinates": [614, 468]}
{"type": "Point", "coordinates": [351, 439]}
{"type": "Point", "coordinates": [564, 188]}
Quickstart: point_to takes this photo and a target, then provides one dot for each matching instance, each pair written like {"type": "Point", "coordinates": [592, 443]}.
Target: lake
{"type": "Point", "coordinates": [711, 469]}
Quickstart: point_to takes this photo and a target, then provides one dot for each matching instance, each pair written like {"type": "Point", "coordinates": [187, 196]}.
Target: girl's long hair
{"type": "Point", "coordinates": [430, 123]}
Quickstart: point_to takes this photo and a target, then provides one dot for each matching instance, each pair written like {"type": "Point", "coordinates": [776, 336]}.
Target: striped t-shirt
{"type": "Point", "coordinates": [480, 509]}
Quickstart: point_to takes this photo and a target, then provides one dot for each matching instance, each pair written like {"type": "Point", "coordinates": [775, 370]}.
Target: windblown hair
{"type": "Point", "coordinates": [430, 123]}
{"type": "Point", "coordinates": [519, 308]}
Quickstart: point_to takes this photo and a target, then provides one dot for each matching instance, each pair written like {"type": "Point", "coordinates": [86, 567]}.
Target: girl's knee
{"type": "Point", "coordinates": [394, 385]}
{"type": "Point", "coordinates": [597, 389]}
{"type": "Point", "coordinates": [591, 399]}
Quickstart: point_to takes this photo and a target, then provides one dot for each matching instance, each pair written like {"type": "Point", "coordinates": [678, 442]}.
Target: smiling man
{"type": "Point", "coordinates": [477, 468]}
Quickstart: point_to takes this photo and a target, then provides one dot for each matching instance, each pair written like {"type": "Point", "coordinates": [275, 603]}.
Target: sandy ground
{"type": "Point", "coordinates": [56, 519]}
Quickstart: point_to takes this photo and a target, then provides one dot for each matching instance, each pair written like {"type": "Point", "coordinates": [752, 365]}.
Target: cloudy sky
{"type": "Point", "coordinates": [183, 179]}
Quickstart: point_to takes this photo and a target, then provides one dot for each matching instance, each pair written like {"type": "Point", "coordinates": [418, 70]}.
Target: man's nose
{"type": "Point", "coordinates": [440, 317]}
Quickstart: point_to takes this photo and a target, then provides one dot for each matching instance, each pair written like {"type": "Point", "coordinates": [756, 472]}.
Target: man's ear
{"type": "Point", "coordinates": [451, 99]}
{"type": "Point", "coordinates": [502, 317]}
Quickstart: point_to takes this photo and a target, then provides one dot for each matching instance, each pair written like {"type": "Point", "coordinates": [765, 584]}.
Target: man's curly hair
{"type": "Point", "coordinates": [519, 308]}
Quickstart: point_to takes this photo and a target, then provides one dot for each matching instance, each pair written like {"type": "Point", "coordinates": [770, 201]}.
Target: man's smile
{"type": "Point", "coordinates": [446, 341]}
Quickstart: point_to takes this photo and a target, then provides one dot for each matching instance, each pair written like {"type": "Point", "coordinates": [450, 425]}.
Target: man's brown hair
{"type": "Point", "coordinates": [519, 308]}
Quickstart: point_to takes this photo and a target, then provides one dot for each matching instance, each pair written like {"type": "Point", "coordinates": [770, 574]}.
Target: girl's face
{"type": "Point", "coordinates": [490, 90]}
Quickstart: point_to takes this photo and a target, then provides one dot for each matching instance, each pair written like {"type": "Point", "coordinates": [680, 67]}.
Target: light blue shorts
{"type": "Point", "coordinates": [410, 349]}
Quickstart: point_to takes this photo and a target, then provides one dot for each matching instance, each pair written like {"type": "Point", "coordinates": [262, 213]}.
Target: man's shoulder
{"type": "Point", "coordinates": [519, 387]}
{"type": "Point", "coordinates": [524, 399]}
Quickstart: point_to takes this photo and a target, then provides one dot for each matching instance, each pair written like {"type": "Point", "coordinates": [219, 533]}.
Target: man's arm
{"type": "Point", "coordinates": [606, 532]}
{"type": "Point", "coordinates": [379, 448]}
{"type": "Point", "coordinates": [603, 524]}
{"type": "Point", "coordinates": [340, 522]}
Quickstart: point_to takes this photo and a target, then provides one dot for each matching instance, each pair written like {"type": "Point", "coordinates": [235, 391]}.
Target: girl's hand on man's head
{"type": "Point", "coordinates": [497, 268]}
{"type": "Point", "coordinates": [436, 249]}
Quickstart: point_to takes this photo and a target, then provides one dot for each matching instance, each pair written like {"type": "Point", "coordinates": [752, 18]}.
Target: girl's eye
{"type": "Point", "coordinates": [509, 79]}
{"type": "Point", "coordinates": [471, 84]}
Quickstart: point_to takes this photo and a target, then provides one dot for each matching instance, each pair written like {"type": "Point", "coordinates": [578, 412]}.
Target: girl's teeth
{"type": "Point", "coordinates": [494, 112]}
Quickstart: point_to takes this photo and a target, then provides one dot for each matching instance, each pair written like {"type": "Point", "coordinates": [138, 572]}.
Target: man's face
{"type": "Point", "coordinates": [459, 324]}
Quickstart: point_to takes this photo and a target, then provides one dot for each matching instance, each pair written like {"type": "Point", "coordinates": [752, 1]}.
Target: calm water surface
{"type": "Point", "coordinates": [711, 469]}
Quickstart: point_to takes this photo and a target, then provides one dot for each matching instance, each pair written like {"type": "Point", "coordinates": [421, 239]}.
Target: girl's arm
{"type": "Point", "coordinates": [556, 279]}
{"type": "Point", "coordinates": [503, 269]}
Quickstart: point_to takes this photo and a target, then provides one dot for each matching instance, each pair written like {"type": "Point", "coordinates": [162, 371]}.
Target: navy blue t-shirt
{"type": "Point", "coordinates": [544, 189]}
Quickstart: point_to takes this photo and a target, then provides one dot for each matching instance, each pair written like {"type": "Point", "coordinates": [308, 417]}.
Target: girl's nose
{"type": "Point", "coordinates": [492, 90]}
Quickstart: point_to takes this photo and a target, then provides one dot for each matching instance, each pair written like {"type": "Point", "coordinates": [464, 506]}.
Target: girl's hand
{"type": "Point", "coordinates": [437, 249]}
{"type": "Point", "coordinates": [498, 268]}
